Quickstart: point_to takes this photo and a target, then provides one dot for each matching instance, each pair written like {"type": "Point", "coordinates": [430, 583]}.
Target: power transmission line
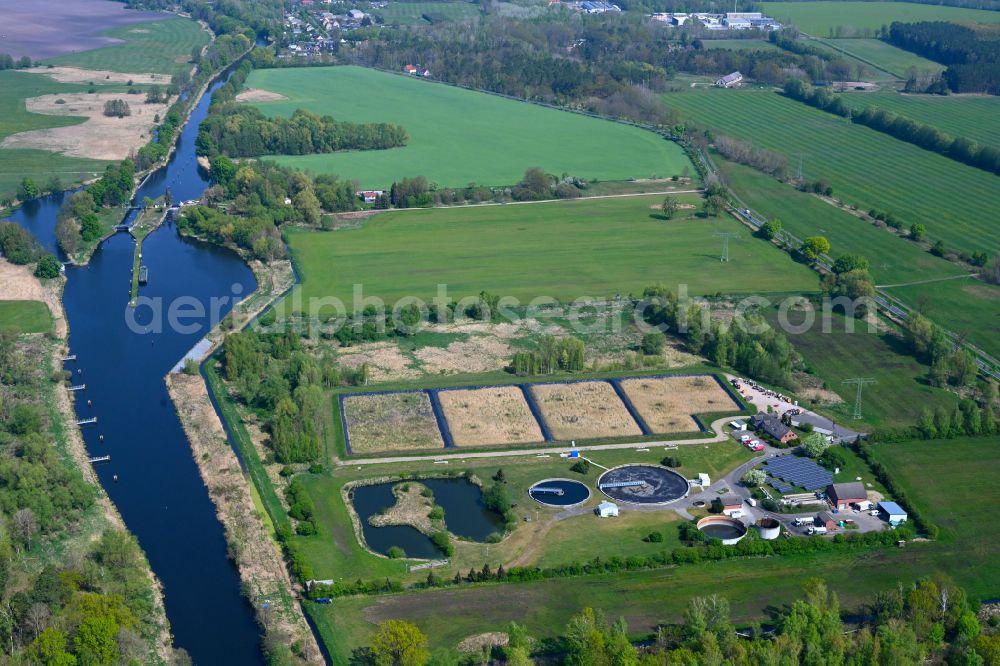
{"type": "Point", "coordinates": [859, 382]}
{"type": "Point", "coordinates": [725, 236]}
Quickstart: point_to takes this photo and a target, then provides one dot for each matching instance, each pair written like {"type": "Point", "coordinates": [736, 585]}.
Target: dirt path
{"type": "Point", "coordinates": [928, 281]}
{"type": "Point", "coordinates": [257, 558]}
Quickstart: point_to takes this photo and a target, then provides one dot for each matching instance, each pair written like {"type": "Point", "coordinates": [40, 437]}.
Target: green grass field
{"type": "Point", "coordinates": [821, 18]}
{"type": "Point", "coordinates": [160, 47]}
{"type": "Point", "coordinates": [969, 308]}
{"type": "Point", "coordinates": [893, 259]}
{"type": "Point", "coordinates": [39, 165]}
{"type": "Point", "coordinates": [459, 136]}
{"type": "Point", "coordinates": [894, 60]}
{"type": "Point", "coordinates": [25, 317]}
{"type": "Point", "coordinates": [865, 167]}
{"type": "Point", "coordinates": [971, 116]}
{"type": "Point", "coordinates": [412, 13]}
{"type": "Point", "coordinates": [563, 250]}
{"type": "Point", "coordinates": [902, 391]}
{"type": "Point", "coordinates": [739, 44]}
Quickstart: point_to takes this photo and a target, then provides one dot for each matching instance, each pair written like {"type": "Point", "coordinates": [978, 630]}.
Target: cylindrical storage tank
{"type": "Point", "coordinates": [769, 528]}
{"type": "Point", "coordinates": [728, 530]}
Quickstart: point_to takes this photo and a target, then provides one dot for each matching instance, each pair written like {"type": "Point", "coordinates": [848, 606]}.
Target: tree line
{"type": "Point", "coordinates": [239, 130]}
{"type": "Point", "coordinates": [926, 136]}
{"type": "Point", "coordinates": [551, 355]}
{"type": "Point", "coordinates": [973, 60]}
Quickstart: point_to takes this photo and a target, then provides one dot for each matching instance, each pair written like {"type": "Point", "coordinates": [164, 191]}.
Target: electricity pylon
{"type": "Point", "coordinates": [725, 236]}
{"type": "Point", "coordinates": [859, 382]}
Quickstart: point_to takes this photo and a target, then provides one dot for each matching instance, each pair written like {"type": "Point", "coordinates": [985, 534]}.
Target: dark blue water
{"type": "Point", "coordinates": [123, 356]}
{"type": "Point", "coordinates": [464, 514]}
{"type": "Point", "coordinates": [574, 492]}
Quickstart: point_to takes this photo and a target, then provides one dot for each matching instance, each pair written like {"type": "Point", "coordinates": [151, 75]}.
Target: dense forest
{"type": "Point", "coordinates": [973, 59]}
{"type": "Point", "coordinates": [238, 130]}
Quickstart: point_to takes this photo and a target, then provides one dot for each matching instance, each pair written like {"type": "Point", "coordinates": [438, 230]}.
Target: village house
{"type": "Point", "coordinates": [771, 425]}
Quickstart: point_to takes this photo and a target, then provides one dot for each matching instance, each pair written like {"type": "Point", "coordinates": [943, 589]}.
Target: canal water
{"type": "Point", "coordinates": [465, 515]}
{"type": "Point", "coordinates": [123, 355]}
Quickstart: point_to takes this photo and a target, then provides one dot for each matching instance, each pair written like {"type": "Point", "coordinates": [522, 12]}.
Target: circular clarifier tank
{"type": "Point", "coordinates": [559, 492]}
{"type": "Point", "coordinates": [728, 530]}
{"type": "Point", "coordinates": [643, 484]}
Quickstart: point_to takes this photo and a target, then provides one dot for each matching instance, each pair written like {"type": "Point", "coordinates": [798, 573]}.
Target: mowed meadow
{"type": "Point", "coordinates": [563, 250]}
{"type": "Point", "coordinates": [956, 203]}
{"type": "Point", "coordinates": [459, 136]}
{"type": "Point", "coordinates": [823, 16]}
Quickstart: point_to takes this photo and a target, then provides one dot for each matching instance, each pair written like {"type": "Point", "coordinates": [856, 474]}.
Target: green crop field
{"type": "Point", "coordinates": [865, 167]}
{"type": "Point", "coordinates": [40, 165]}
{"type": "Point", "coordinates": [459, 136]}
{"type": "Point", "coordinates": [902, 391]}
{"type": "Point", "coordinates": [412, 13]}
{"type": "Point", "coordinates": [739, 44]}
{"type": "Point", "coordinates": [969, 308]}
{"type": "Point", "coordinates": [950, 480]}
{"type": "Point", "coordinates": [160, 47]}
{"type": "Point", "coordinates": [25, 317]}
{"type": "Point", "coordinates": [823, 18]}
{"type": "Point", "coordinates": [562, 250]}
{"type": "Point", "coordinates": [894, 60]}
{"type": "Point", "coordinates": [892, 259]}
{"type": "Point", "coordinates": [971, 116]}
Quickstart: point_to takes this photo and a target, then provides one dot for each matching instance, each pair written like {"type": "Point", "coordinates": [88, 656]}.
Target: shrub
{"type": "Point", "coordinates": [442, 541]}
{"type": "Point", "coordinates": [581, 467]}
{"type": "Point", "coordinates": [654, 537]}
{"type": "Point", "coordinates": [671, 461]}
{"type": "Point", "coordinates": [396, 553]}
{"type": "Point", "coordinates": [48, 267]}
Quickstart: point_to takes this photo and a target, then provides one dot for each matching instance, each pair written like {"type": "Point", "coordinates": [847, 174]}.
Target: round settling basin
{"type": "Point", "coordinates": [643, 484]}
{"type": "Point", "coordinates": [769, 528]}
{"type": "Point", "coordinates": [727, 530]}
{"type": "Point", "coordinates": [559, 492]}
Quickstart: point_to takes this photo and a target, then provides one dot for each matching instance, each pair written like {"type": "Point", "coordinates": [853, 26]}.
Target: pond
{"type": "Point", "coordinates": [465, 514]}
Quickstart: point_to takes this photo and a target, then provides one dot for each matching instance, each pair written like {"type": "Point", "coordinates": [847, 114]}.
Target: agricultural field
{"type": "Point", "coordinates": [584, 410]}
{"type": "Point", "coordinates": [950, 488]}
{"type": "Point", "coordinates": [916, 185]}
{"type": "Point", "coordinates": [413, 13]}
{"type": "Point", "coordinates": [739, 44]}
{"type": "Point", "coordinates": [883, 55]}
{"type": "Point", "coordinates": [825, 17]}
{"type": "Point", "coordinates": [969, 308]}
{"type": "Point", "coordinates": [460, 136]}
{"type": "Point", "coordinates": [391, 421]}
{"type": "Point", "coordinates": [161, 47]}
{"type": "Point", "coordinates": [893, 259]}
{"type": "Point", "coordinates": [562, 250]}
{"type": "Point", "coordinates": [25, 317]}
{"type": "Point", "coordinates": [489, 416]}
{"type": "Point", "coordinates": [902, 391]}
{"type": "Point", "coordinates": [39, 165]}
{"type": "Point", "coordinates": [971, 116]}
{"type": "Point", "coordinates": [667, 404]}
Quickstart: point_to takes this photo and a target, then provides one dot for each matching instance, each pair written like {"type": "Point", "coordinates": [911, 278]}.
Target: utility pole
{"type": "Point", "coordinates": [725, 236]}
{"type": "Point", "coordinates": [859, 382]}
{"type": "Point", "coordinates": [800, 165]}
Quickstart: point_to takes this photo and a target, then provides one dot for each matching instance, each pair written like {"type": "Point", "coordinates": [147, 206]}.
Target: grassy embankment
{"type": "Point", "coordinates": [149, 219]}
{"type": "Point", "coordinates": [459, 136]}
{"type": "Point", "coordinates": [158, 47]}
{"type": "Point", "coordinates": [822, 18]}
{"type": "Point", "coordinates": [25, 317]}
{"type": "Point", "coordinates": [562, 250]}
{"type": "Point", "coordinates": [916, 185]}
{"type": "Point", "coordinates": [951, 488]}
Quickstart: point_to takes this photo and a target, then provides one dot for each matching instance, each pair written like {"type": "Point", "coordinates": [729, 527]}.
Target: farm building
{"type": "Point", "coordinates": [732, 506]}
{"type": "Point", "coordinates": [772, 426]}
{"type": "Point", "coordinates": [730, 80]}
{"type": "Point", "coordinates": [843, 495]}
{"type": "Point", "coordinates": [410, 69]}
{"type": "Point", "coordinates": [826, 519]}
{"type": "Point", "coordinates": [606, 509]}
{"type": "Point", "coordinates": [370, 196]}
{"type": "Point", "coordinates": [892, 512]}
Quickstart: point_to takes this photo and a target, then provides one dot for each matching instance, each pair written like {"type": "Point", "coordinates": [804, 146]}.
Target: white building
{"type": "Point", "coordinates": [730, 80]}
{"type": "Point", "coordinates": [704, 480]}
{"type": "Point", "coordinates": [607, 509]}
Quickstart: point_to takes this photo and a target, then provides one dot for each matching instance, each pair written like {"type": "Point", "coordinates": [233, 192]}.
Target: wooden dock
{"type": "Point", "coordinates": [71, 357]}
{"type": "Point", "coordinates": [89, 421]}
{"type": "Point", "coordinates": [100, 459]}
{"type": "Point", "coordinates": [78, 387]}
